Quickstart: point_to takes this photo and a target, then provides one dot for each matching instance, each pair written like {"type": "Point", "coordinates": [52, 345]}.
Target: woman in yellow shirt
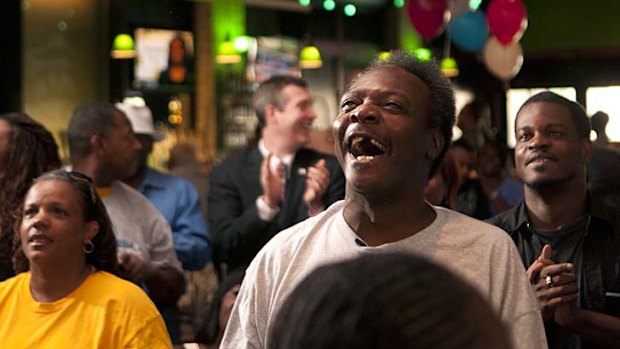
{"type": "Point", "coordinates": [67, 295]}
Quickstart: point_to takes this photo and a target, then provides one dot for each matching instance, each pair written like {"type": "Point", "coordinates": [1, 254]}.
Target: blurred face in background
{"type": "Point", "coordinates": [465, 164]}
{"type": "Point", "coordinates": [466, 120]}
{"type": "Point", "coordinates": [227, 304]}
{"type": "Point", "coordinates": [146, 143]}
{"type": "Point", "coordinates": [442, 187]}
{"type": "Point", "coordinates": [292, 121]}
{"type": "Point", "coordinates": [489, 161]}
{"type": "Point", "coordinates": [177, 51]}
{"type": "Point", "coordinates": [436, 190]}
{"type": "Point", "coordinates": [122, 148]}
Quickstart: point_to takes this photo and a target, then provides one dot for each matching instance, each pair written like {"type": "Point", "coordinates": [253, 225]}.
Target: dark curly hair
{"type": "Point", "coordinates": [395, 301]}
{"type": "Point", "coordinates": [31, 151]}
{"type": "Point", "coordinates": [103, 256]}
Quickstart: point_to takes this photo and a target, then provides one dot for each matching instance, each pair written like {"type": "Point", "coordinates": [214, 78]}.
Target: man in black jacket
{"type": "Point", "coordinates": [568, 240]}
{"type": "Point", "coordinates": [274, 184]}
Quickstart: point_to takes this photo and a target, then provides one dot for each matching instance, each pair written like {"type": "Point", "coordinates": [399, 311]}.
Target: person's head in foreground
{"type": "Point", "coordinates": [386, 301]}
{"type": "Point", "coordinates": [65, 226]}
{"type": "Point", "coordinates": [394, 126]}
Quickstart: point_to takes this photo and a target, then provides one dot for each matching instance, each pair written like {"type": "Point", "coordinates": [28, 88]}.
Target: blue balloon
{"type": "Point", "coordinates": [470, 31]}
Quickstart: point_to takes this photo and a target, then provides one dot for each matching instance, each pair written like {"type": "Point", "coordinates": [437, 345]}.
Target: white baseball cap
{"type": "Point", "coordinates": [141, 119]}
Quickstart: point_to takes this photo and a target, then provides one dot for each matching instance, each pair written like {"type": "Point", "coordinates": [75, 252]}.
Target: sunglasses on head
{"type": "Point", "coordinates": [77, 177]}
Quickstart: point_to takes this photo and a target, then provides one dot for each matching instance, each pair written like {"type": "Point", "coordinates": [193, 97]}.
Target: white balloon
{"type": "Point", "coordinates": [503, 61]}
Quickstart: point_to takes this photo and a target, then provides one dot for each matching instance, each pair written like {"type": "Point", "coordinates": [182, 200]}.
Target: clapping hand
{"type": "Point", "coordinates": [555, 285]}
{"type": "Point", "coordinates": [317, 181]}
{"type": "Point", "coordinates": [271, 181]}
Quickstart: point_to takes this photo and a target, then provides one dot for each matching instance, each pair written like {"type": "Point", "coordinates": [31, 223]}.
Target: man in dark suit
{"type": "Point", "coordinates": [274, 184]}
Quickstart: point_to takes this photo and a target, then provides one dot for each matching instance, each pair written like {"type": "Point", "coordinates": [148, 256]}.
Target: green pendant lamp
{"type": "Point", "coordinates": [310, 58]}
{"type": "Point", "coordinates": [123, 47]}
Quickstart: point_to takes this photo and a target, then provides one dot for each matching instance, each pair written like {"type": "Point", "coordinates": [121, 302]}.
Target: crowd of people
{"type": "Point", "coordinates": [378, 245]}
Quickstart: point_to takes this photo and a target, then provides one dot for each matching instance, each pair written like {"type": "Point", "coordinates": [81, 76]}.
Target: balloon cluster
{"type": "Point", "coordinates": [495, 33]}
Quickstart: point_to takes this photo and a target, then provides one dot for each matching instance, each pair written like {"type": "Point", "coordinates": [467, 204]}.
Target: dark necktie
{"type": "Point", "coordinates": [284, 180]}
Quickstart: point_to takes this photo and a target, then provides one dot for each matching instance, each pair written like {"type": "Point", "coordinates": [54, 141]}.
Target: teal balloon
{"type": "Point", "coordinates": [470, 31]}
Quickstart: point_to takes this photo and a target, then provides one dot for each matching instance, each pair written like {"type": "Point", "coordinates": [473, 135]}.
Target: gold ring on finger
{"type": "Point", "coordinates": [549, 281]}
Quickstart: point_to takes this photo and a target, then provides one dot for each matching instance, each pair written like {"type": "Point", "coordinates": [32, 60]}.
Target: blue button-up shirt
{"type": "Point", "coordinates": [178, 201]}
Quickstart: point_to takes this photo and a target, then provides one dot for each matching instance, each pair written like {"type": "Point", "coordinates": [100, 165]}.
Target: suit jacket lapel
{"type": "Point", "coordinates": [251, 172]}
{"type": "Point", "coordinates": [255, 159]}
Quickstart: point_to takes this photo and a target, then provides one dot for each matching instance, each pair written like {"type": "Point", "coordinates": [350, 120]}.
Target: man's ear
{"type": "Point", "coordinates": [270, 114]}
{"type": "Point", "coordinates": [97, 144]}
{"type": "Point", "coordinates": [435, 144]}
{"type": "Point", "coordinates": [585, 151]}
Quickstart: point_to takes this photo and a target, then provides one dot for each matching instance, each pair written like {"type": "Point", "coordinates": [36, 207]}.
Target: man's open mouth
{"type": "Point", "coordinates": [540, 158]}
{"type": "Point", "coordinates": [365, 148]}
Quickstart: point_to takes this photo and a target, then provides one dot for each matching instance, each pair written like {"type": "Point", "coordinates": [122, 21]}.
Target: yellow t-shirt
{"type": "Point", "coordinates": [103, 312]}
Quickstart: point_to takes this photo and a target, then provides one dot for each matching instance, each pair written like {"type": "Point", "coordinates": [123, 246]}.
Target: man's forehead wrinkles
{"type": "Point", "coordinates": [360, 92]}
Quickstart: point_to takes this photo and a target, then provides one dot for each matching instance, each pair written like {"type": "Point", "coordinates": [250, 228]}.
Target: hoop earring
{"type": "Point", "coordinates": [88, 247]}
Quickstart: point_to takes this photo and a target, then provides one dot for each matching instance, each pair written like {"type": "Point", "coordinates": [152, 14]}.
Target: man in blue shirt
{"type": "Point", "coordinates": [176, 198]}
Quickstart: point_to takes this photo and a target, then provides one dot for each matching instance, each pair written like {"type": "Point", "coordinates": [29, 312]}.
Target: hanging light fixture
{"type": "Point", "coordinates": [329, 5]}
{"type": "Point", "coordinates": [350, 10]}
{"type": "Point", "coordinates": [123, 47]}
{"type": "Point", "coordinates": [383, 55]}
{"type": "Point", "coordinates": [423, 54]}
{"type": "Point", "coordinates": [448, 64]}
{"type": "Point", "coordinates": [310, 58]}
{"type": "Point", "coordinates": [242, 43]}
{"type": "Point", "coordinates": [449, 67]}
{"type": "Point", "coordinates": [227, 53]}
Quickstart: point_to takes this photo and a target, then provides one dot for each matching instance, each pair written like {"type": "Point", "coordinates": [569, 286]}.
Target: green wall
{"type": "Point", "coordinates": [571, 25]}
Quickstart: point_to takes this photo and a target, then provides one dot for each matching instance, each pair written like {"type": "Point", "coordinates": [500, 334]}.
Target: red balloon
{"type": "Point", "coordinates": [428, 16]}
{"type": "Point", "coordinates": [506, 18]}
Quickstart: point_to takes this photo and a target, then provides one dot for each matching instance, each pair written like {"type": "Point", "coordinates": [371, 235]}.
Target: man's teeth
{"type": "Point", "coordinates": [377, 144]}
{"type": "Point", "coordinates": [364, 158]}
{"type": "Point", "coordinates": [541, 159]}
{"type": "Point", "coordinates": [358, 139]}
